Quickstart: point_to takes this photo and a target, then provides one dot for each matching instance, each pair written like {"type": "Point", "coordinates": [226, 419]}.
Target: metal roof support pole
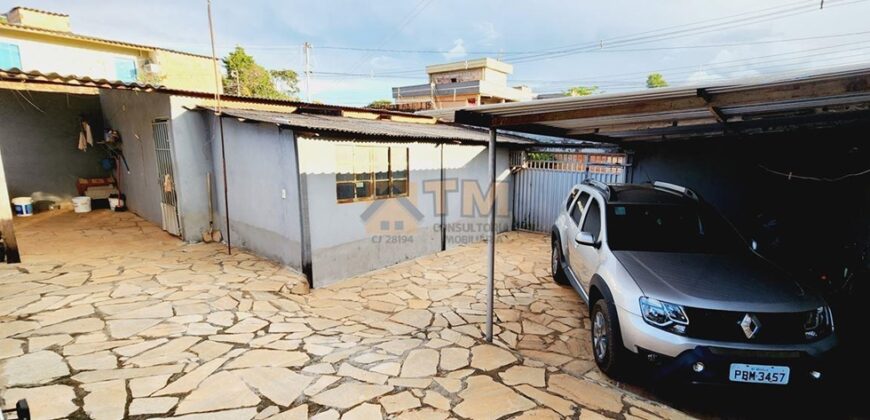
{"type": "Point", "coordinates": [490, 267]}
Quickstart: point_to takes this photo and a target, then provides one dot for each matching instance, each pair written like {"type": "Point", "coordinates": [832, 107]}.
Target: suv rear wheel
{"type": "Point", "coordinates": [556, 264]}
{"type": "Point", "coordinates": [607, 347]}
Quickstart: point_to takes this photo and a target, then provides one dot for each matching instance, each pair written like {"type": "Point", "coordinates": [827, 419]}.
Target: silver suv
{"type": "Point", "coordinates": [667, 278]}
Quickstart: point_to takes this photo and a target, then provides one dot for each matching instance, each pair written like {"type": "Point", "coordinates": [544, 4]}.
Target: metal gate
{"type": "Point", "coordinates": [543, 179]}
{"type": "Point", "coordinates": [166, 180]}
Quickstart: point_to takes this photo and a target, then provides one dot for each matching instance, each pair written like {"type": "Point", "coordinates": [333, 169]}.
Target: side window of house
{"type": "Point", "coordinates": [9, 56]}
{"type": "Point", "coordinates": [125, 69]}
{"type": "Point", "coordinates": [577, 211]}
{"type": "Point", "coordinates": [370, 172]}
{"type": "Point", "coordinates": [592, 224]}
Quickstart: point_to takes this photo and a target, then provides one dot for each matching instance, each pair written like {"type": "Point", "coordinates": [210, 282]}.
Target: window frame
{"type": "Point", "coordinates": [373, 178]}
{"type": "Point", "coordinates": [597, 235]}
{"type": "Point", "coordinates": [17, 49]}
{"type": "Point", "coordinates": [127, 60]}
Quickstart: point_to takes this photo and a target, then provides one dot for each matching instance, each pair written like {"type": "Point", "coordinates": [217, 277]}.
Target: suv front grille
{"type": "Point", "coordinates": [776, 328]}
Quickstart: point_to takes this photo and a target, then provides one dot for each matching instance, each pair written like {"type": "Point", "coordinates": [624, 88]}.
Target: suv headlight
{"type": "Point", "coordinates": [664, 315]}
{"type": "Point", "coordinates": [818, 323]}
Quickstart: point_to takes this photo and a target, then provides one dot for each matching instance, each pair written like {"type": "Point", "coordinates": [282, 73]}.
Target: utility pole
{"type": "Point", "coordinates": [306, 49]}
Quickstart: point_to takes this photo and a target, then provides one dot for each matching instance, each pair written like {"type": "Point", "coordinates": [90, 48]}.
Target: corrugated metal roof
{"type": "Point", "coordinates": [374, 129]}
{"type": "Point", "coordinates": [709, 109]}
{"type": "Point", "coordinates": [16, 75]}
{"type": "Point", "coordinates": [35, 77]}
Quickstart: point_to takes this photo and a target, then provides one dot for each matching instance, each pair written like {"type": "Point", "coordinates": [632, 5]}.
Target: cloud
{"type": "Point", "coordinates": [458, 50]}
{"type": "Point", "coordinates": [487, 32]}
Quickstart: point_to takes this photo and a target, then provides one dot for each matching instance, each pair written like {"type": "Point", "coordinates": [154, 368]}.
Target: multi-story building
{"type": "Point", "coordinates": [463, 83]}
{"type": "Point", "coordinates": [43, 41]}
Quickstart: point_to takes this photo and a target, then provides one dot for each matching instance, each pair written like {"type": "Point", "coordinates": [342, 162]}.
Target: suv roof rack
{"type": "Point", "coordinates": [604, 188]}
{"type": "Point", "coordinates": [676, 188]}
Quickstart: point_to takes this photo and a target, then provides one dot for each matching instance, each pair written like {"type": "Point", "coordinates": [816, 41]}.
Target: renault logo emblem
{"type": "Point", "coordinates": [750, 325]}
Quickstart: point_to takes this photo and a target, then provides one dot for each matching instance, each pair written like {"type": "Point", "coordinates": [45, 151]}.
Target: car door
{"type": "Point", "coordinates": [574, 220]}
{"type": "Point", "coordinates": [587, 256]}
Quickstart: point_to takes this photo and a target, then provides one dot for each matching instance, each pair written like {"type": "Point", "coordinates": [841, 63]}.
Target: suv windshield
{"type": "Point", "coordinates": [670, 228]}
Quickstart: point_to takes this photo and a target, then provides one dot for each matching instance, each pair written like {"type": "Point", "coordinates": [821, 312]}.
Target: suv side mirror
{"type": "Point", "coordinates": [585, 238]}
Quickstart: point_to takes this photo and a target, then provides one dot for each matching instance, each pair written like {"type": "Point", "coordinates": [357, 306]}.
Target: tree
{"type": "Point", "coordinates": [380, 103]}
{"type": "Point", "coordinates": [656, 80]}
{"type": "Point", "coordinates": [286, 81]}
{"type": "Point", "coordinates": [581, 91]}
{"type": "Point", "coordinates": [247, 78]}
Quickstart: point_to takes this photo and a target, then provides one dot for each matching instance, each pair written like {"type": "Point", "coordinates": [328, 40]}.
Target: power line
{"type": "Point", "coordinates": [682, 33]}
{"type": "Point", "coordinates": [601, 50]}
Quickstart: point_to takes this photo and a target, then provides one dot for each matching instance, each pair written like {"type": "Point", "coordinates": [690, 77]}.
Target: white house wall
{"type": "Point", "coordinates": [262, 188]}
{"type": "Point", "coordinates": [343, 244]}
{"type": "Point", "coordinates": [131, 113]}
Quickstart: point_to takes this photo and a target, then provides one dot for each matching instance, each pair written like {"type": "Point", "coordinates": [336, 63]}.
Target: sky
{"type": "Point", "coordinates": [361, 49]}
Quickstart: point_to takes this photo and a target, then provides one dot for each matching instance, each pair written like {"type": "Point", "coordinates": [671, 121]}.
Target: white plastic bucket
{"type": "Point", "coordinates": [23, 206]}
{"type": "Point", "coordinates": [81, 204]}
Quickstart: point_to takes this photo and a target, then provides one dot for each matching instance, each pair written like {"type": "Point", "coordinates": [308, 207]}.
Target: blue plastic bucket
{"type": "Point", "coordinates": [23, 206]}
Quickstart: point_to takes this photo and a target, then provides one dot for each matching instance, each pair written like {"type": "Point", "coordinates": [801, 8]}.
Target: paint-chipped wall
{"type": "Point", "coordinates": [345, 242]}
{"type": "Point", "coordinates": [39, 134]}
{"type": "Point", "coordinates": [132, 113]}
{"type": "Point", "coordinates": [262, 188]}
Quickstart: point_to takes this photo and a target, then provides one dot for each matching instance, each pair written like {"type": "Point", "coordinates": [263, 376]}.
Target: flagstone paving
{"type": "Point", "coordinates": [109, 317]}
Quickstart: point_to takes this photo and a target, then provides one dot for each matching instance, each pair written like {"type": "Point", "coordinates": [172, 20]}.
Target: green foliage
{"type": "Point", "coordinates": [3, 19]}
{"type": "Point", "coordinates": [286, 81]}
{"type": "Point", "coordinates": [656, 80]}
{"type": "Point", "coordinates": [581, 91]}
{"type": "Point", "coordinates": [380, 103]}
{"type": "Point", "coordinates": [545, 156]}
{"type": "Point", "coordinates": [254, 80]}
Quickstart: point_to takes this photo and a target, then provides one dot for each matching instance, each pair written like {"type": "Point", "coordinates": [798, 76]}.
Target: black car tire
{"type": "Point", "coordinates": [556, 264]}
{"type": "Point", "coordinates": [613, 357]}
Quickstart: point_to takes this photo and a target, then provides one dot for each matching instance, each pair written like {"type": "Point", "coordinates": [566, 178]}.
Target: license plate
{"type": "Point", "coordinates": [759, 374]}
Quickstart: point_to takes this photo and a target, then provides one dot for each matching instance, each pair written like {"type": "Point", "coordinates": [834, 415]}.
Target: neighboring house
{"type": "Point", "coordinates": [332, 191]}
{"type": "Point", "coordinates": [463, 83]}
{"type": "Point", "coordinates": [36, 40]}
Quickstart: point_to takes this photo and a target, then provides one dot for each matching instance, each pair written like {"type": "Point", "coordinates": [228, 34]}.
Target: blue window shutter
{"type": "Point", "coordinates": [9, 56]}
{"type": "Point", "coordinates": [125, 69]}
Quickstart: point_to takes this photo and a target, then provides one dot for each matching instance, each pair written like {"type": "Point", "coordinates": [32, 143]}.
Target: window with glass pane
{"type": "Point", "coordinates": [370, 172]}
{"type": "Point", "coordinates": [399, 170]}
{"type": "Point", "coordinates": [9, 56]}
{"type": "Point", "coordinates": [125, 69]}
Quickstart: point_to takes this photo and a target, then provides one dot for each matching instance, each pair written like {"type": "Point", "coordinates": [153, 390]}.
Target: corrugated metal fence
{"type": "Point", "coordinates": [543, 179]}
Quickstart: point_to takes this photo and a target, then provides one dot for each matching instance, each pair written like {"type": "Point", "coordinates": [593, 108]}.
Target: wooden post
{"type": "Point", "coordinates": [6, 228]}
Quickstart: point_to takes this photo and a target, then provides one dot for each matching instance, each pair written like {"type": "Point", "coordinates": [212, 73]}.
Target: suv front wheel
{"type": "Point", "coordinates": [607, 345]}
{"type": "Point", "coordinates": [556, 264]}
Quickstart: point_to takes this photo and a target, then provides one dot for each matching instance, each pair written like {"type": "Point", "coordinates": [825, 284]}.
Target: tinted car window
{"type": "Point", "coordinates": [584, 198]}
{"type": "Point", "coordinates": [592, 224]}
{"type": "Point", "coordinates": [570, 200]}
{"type": "Point", "coordinates": [576, 213]}
{"type": "Point", "coordinates": [670, 228]}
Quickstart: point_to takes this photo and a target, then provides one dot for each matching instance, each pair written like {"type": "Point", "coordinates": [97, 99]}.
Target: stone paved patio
{"type": "Point", "coordinates": [109, 317]}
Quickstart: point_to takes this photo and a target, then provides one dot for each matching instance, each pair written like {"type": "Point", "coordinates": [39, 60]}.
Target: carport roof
{"type": "Point", "coordinates": [372, 129]}
{"type": "Point", "coordinates": [750, 106]}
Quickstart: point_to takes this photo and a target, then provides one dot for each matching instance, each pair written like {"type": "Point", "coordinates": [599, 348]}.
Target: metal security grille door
{"type": "Point", "coordinates": [165, 177]}
{"type": "Point", "coordinates": [543, 180]}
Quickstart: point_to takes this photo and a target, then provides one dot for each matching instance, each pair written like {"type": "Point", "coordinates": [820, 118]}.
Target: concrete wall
{"type": "Point", "coordinates": [345, 244]}
{"type": "Point", "coordinates": [185, 71]}
{"type": "Point", "coordinates": [193, 139]}
{"type": "Point", "coordinates": [262, 188]}
{"type": "Point", "coordinates": [132, 113]}
{"type": "Point", "coordinates": [39, 146]}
